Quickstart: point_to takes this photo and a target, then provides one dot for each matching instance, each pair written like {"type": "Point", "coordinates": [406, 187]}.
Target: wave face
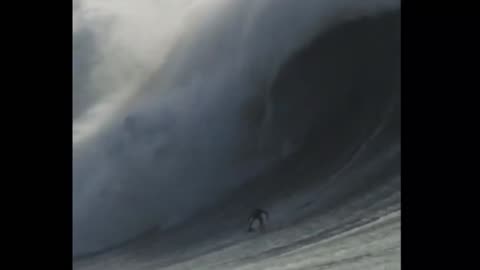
{"type": "Point", "coordinates": [187, 110]}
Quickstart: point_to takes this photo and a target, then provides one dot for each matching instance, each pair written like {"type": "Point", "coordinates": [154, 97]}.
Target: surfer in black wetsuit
{"type": "Point", "coordinates": [261, 216]}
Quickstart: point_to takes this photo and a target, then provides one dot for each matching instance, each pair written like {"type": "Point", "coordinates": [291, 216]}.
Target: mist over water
{"type": "Point", "coordinates": [177, 104]}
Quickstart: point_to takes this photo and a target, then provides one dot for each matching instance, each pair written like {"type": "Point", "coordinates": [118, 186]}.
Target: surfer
{"type": "Point", "coordinates": [257, 215]}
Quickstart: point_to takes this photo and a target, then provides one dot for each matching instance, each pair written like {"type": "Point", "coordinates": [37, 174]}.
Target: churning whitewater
{"type": "Point", "coordinates": [188, 114]}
